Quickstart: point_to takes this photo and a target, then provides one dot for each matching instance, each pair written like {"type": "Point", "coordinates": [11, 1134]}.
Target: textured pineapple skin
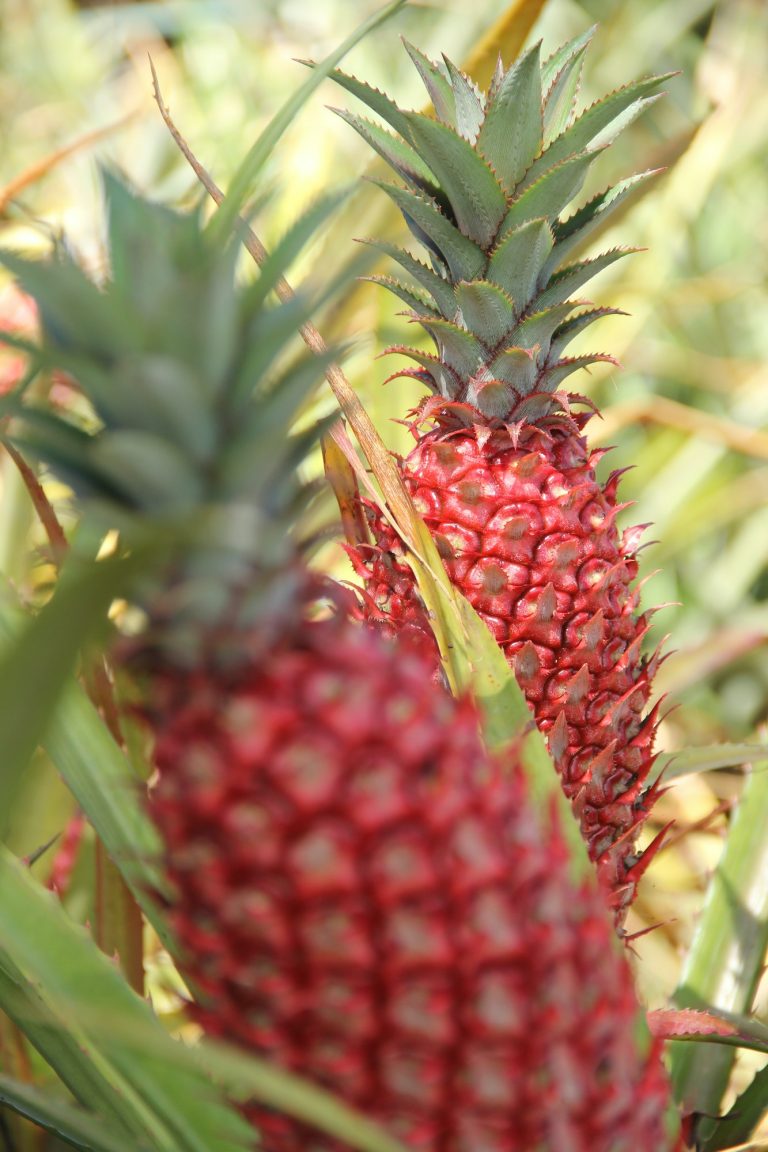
{"type": "Point", "coordinates": [363, 899]}
{"type": "Point", "coordinates": [529, 535]}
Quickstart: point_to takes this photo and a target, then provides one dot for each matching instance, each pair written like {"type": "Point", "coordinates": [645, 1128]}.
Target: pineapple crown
{"type": "Point", "coordinates": [486, 183]}
{"type": "Point", "coordinates": [193, 393]}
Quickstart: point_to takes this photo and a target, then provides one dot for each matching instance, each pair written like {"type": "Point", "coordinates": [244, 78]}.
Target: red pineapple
{"type": "Point", "coordinates": [365, 899]}
{"type": "Point", "coordinates": [358, 893]}
{"type": "Point", "coordinates": [502, 474]}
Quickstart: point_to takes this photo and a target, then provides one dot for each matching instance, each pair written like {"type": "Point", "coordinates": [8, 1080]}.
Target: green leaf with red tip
{"type": "Point", "coordinates": [444, 381]}
{"type": "Point", "coordinates": [511, 134]}
{"type": "Point", "coordinates": [458, 348]}
{"type": "Point", "coordinates": [588, 132]}
{"type": "Point", "coordinates": [492, 397]}
{"type": "Point", "coordinates": [574, 276]}
{"type": "Point", "coordinates": [439, 288]}
{"type": "Point", "coordinates": [567, 331]}
{"type": "Point", "coordinates": [469, 104]}
{"type": "Point", "coordinates": [418, 304]}
{"type": "Point", "coordinates": [553, 190]}
{"type": "Point", "coordinates": [560, 78]}
{"type": "Point", "coordinates": [437, 84]}
{"type": "Point", "coordinates": [477, 201]}
{"type": "Point", "coordinates": [539, 328]}
{"type": "Point", "coordinates": [569, 53]}
{"type": "Point", "coordinates": [709, 1025]}
{"type": "Point", "coordinates": [487, 311]}
{"type": "Point", "coordinates": [517, 367]}
{"type": "Point", "coordinates": [572, 233]}
{"type": "Point", "coordinates": [562, 369]}
{"type": "Point", "coordinates": [377, 101]}
{"type": "Point", "coordinates": [517, 261]}
{"type": "Point", "coordinates": [456, 252]}
{"type": "Point", "coordinates": [405, 161]}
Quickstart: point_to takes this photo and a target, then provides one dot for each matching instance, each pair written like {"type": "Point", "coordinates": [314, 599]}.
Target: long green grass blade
{"type": "Point", "coordinates": [726, 958]}
{"type": "Point", "coordinates": [742, 1118]}
{"type": "Point", "coordinates": [82, 1130]}
{"type": "Point", "coordinates": [35, 668]}
{"type": "Point", "coordinates": [707, 758]}
{"type": "Point", "coordinates": [88, 759]}
{"type": "Point", "coordinates": [243, 181]}
{"type": "Point", "coordinates": [247, 1076]}
{"type": "Point", "coordinates": [98, 1035]}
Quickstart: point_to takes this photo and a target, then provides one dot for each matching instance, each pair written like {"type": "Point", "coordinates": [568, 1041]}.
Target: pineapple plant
{"type": "Point", "coordinates": [501, 471]}
{"type": "Point", "coordinates": [356, 890]}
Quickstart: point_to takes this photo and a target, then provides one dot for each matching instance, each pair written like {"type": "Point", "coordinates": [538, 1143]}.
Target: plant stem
{"type": "Point", "coordinates": [726, 958]}
{"type": "Point", "coordinates": [118, 927]}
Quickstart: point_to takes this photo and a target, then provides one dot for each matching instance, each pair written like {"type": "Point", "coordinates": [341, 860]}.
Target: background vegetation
{"type": "Point", "coordinates": [689, 412]}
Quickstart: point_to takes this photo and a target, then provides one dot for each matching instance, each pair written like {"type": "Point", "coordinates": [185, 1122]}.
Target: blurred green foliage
{"type": "Point", "coordinates": [689, 412]}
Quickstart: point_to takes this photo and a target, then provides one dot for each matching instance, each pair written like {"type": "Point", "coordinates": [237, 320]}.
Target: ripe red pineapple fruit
{"type": "Point", "coordinates": [357, 893]}
{"type": "Point", "coordinates": [502, 475]}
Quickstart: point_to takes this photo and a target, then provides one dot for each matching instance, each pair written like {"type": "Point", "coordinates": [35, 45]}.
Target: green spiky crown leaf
{"type": "Point", "coordinates": [194, 396]}
{"type": "Point", "coordinates": [486, 184]}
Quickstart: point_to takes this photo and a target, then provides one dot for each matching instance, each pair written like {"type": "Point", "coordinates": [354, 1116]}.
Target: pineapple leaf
{"type": "Point", "coordinates": [561, 76]}
{"type": "Point", "coordinates": [437, 84]}
{"type": "Point", "coordinates": [563, 368]}
{"type": "Point", "coordinates": [469, 104]}
{"type": "Point", "coordinates": [573, 276]}
{"type": "Point", "coordinates": [436, 374]}
{"type": "Point", "coordinates": [145, 470]}
{"type": "Point", "coordinates": [440, 290]}
{"type": "Point", "coordinates": [588, 132]}
{"type": "Point", "coordinates": [539, 328]}
{"type": "Point", "coordinates": [452, 250]}
{"type": "Point", "coordinates": [374, 99]}
{"type": "Point", "coordinates": [157, 394]}
{"type": "Point", "coordinates": [248, 464]}
{"type": "Point", "coordinates": [488, 312]}
{"type": "Point", "coordinates": [400, 156]}
{"type": "Point", "coordinates": [550, 194]}
{"type": "Point", "coordinates": [70, 303]}
{"type": "Point", "coordinates": [568, 330]}
{"type": "Point", "coordinates": [414, 300]}
{"type": "Point", "coordinates": [554, 66]}
{"type": "Point", "coordinates": [516, 367]}
{"type": "Point", "coordinates": [573, 232]}
{"type": "Point", "coordinates": [461, 351]}
{"type": "Point", "coordinates": [269, 332]}
{"type": "Point", "coordinates": [62, 445]}
{"type": "Point", "coordinates": [477, 201]}
{"type": "Point", "coordinates": [517, 262]}
{"type": "Point", "coordinates": [510, 137]}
